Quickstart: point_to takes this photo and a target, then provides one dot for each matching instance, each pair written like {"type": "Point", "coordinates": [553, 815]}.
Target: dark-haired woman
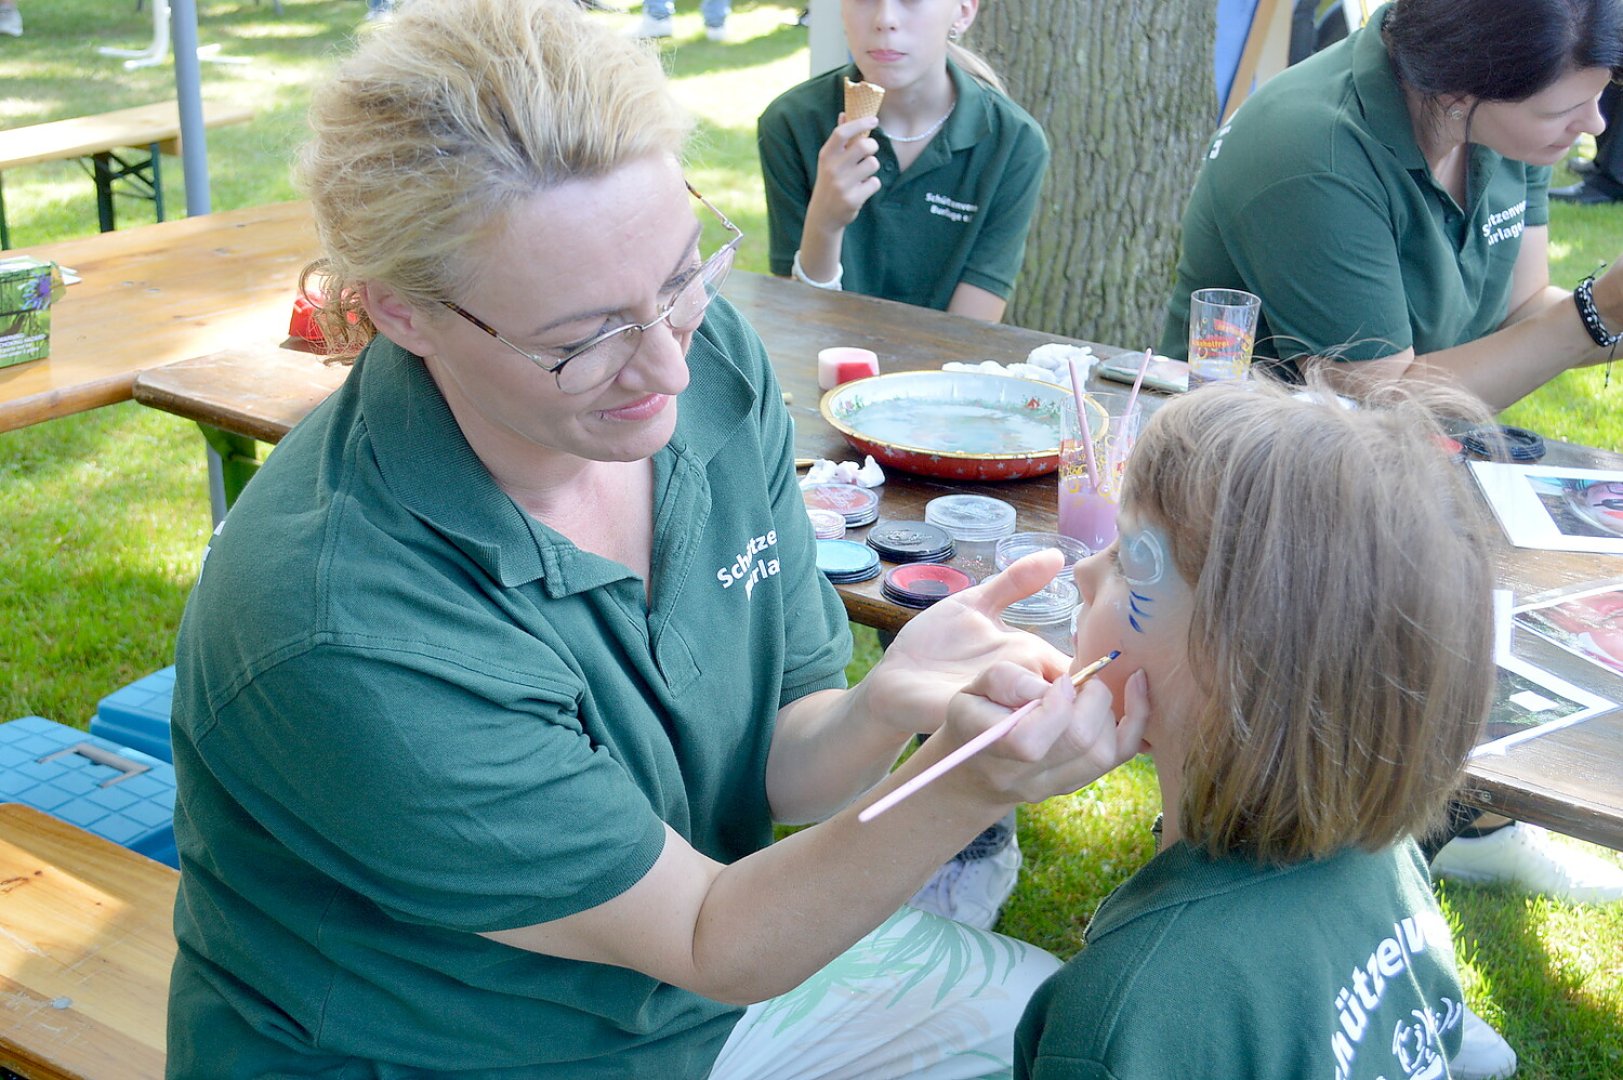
{"type": "Point", "coordinates": [1387, 197]}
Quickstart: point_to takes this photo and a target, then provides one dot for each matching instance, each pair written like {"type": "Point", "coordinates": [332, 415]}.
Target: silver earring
{"type": "Point", "coordinates": [1456, 113]}
{"type": "Point", "coordinates": [954, 34]}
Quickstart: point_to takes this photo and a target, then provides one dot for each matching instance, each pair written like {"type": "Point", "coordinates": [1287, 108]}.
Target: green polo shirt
{"type": "Point", "coordinates": [407, 712]}
{"type": "Point", "coordinates": [1316, 197]}
{"type": "Point", "coordinates": [959, 213]}
{"type": "Point", "coordinates": [1202, 967]}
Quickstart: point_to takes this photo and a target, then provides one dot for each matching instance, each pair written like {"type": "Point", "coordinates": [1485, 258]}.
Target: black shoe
{"type": "Point", "coordinates": [1583, 194]}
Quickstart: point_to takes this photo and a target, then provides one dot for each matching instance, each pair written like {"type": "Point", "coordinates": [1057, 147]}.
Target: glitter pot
{"type": "Point", "coordinates": [921, 584]}
{"type": "Point", "coordinates": [910, 542]}
{"type": "Point", "coordinates": [846, 561]}
{"type": "Point", "coordinates": [1020, 544]}
{"type": "Point", "coordinates": [1048, 613]}
{"type": "Point", "coordinates": [858, 505]}
{"type": "Point", "coordinates": [975, 522]}
{"type": "Point", "coordinates": [826, 524]}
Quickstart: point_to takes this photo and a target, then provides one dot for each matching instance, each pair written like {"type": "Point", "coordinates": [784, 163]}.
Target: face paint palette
{"type": "Point", "coordinates": [845, 562]}
{"type": "Point", "coordinates": [1049, 613]}
{"type": "Point", "coordinates": [921, 584]}
{"type": "Point", "coordinates": [910, 542]}
{"type": "Point", "coordinates": [1019, 545]}
{"type": "Point", "coordinates": [857, 505]}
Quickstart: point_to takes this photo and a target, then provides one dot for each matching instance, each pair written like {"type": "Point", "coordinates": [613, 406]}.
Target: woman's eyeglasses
{"type": "Point", "coordinates": [597, 361]}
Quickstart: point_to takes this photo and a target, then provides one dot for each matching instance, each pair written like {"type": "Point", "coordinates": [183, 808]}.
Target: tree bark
{"type": "Point", "coordinates": [1124, 90]}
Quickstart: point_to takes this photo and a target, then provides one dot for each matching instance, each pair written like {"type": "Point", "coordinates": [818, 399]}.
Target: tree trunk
{"type": "Point", "coordinates": [1124, 90]}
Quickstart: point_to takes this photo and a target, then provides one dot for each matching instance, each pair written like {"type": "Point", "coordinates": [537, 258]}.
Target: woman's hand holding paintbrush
{"type": "Point", "coordinates": [1089, 738]}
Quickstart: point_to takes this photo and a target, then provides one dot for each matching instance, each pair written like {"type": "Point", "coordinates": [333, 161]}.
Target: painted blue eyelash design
{"type": "Point", "coordinates": [1135, 611]}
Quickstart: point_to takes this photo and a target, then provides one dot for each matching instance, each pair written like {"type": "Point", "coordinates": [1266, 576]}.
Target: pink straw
{"type": "Point", "coordinates": [1077, 382]}
{"type": "Point", "coordinates": [1132, 398]}
{"type": "Point", "coordinates": [975, 745]}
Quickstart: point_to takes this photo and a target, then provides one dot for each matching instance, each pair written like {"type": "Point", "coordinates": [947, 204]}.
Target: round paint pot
{"type": "Point", "coordinates": [975, 522]}
{"type": "Point", "coordinates": [826, 524]}
{"type": "Point", "coordinates": [858, 505]}
{"type": "Point", "coordinates": [1020, 544]}
{"type": "Point", "coordinates": [1503, 443]}
{"type": "Point", "coordinates": [910, 542]}
{"type": "Point", "coordinates": [919, 585]}
{"type": "Point", "coordinates": [847, 561]}
{"type": "Point", "coordinates": [1050, 613]}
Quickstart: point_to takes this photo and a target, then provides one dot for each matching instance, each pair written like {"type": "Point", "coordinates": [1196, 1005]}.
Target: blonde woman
{"type": "Point", "coordinates": [501, 669]}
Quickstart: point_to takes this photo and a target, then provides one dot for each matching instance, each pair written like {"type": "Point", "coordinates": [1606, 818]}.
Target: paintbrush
{"type": "Point", "coordinates": [976, 745]}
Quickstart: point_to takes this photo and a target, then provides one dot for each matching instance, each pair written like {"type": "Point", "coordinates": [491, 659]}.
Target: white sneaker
{"type": "Point", "coordinates": [11, 22]}
{"type": "Point", "coordinates": [651, 27]}
{"type": "Point", "coordinates": [1522, 854]}
{"type": "Point", "coordinates": [716, 33]}
{"type": "Point", "coordinates": [1484, 1053]}
{"type": "Point", "coordinates": [972, 891]}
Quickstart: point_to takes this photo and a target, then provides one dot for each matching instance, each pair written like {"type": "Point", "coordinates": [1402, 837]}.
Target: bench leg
{"type": "Point", "coordinates": [5, 233]}
{"type": "Point", "coordinates": [155, 163]}
{"type": "Point", "coordinates": [233, 460]}
{"type": "Point", "coordinates": [104, 190]}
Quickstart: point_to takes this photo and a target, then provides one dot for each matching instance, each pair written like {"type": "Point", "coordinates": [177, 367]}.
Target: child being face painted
{"type": "Point", "coordinates": [1307, 589]}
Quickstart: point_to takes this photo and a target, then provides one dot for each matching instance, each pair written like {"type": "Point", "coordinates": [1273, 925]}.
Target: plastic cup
{"type": "Point", "coordinates": [1222, 331]}
{"type": "Point", "coordinates": [1090, 498]}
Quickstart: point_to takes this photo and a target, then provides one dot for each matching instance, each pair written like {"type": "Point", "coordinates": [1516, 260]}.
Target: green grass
{"type": "Point", "coordinates": [103, 515]}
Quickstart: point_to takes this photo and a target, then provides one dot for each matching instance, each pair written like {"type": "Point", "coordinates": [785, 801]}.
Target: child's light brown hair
{"type": "Point", "coordinates": [1341, 638]}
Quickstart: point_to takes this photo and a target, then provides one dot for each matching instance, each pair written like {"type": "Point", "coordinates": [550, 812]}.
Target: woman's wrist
{"type": "Point", "coordinates": [1583, 297]}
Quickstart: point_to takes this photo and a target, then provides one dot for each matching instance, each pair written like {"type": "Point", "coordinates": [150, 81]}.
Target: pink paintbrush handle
{"type": "Point", "coordinates": [972, 747]}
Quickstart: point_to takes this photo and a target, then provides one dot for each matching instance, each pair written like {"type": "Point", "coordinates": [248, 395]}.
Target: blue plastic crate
{"type": "Point", "coordinates": [138, 715]}
{"type": "Point", "coordinates": [113, 791]}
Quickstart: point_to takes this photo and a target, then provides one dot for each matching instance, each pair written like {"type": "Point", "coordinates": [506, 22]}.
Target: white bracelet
{"type": "Point", "coordinates": [833, 284]}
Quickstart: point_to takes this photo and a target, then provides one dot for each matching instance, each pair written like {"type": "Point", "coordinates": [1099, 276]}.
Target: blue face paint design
{"type": "Point", "coordinates": [1142, 556]}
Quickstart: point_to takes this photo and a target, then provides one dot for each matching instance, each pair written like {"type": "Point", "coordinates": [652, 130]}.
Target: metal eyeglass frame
{"type": "Point", "coordinates": [556, 365]}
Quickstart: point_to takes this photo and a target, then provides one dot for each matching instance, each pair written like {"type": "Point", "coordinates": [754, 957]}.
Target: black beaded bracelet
{"type": "Point", "coordinates": [1584, 297]}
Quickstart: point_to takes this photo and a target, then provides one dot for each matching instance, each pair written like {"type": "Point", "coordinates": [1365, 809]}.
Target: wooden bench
{"type": "Point", "coordinates": [86, 943]}
{"type": "Point", "coordinates": [149, 130]}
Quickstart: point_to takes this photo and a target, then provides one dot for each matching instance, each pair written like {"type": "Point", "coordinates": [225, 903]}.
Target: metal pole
{"type": "Point", "coordinates": [189, 92]}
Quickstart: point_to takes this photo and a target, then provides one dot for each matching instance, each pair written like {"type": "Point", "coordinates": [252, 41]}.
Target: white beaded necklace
{"type": "Point", "coordinates": [927, 132]}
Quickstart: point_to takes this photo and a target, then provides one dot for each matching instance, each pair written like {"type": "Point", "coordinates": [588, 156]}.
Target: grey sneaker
{"type": "Point", "coordinates": [972, 890]}
{"type": "Point", "coordinates": [1522, 855]}
{"type": "Point", "coordinates": [716, 33]}
{"type": "Point", "coordinates": [1484, 1053]}
{"type": "Point", "coordinates": [11, 22]}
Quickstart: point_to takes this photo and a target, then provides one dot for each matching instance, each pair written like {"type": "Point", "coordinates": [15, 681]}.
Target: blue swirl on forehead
{"type": "Point", "coordinates": [1143, 555]}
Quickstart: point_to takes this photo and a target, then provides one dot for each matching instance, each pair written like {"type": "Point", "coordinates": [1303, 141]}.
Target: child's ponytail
{"type": "Point", "coordinates": [975, 64]}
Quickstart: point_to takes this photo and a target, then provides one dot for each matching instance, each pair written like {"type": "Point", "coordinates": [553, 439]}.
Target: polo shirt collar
{"type": "Point", "coordinates": [1380, 95]}
{"type": "Point", "coordinates": [1177, 876]}
{"type": "Point", "coordinates": [426, 461]}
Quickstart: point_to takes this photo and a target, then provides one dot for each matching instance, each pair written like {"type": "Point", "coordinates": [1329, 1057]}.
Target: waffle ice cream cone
{"type": "Point", "coordinates": [862, 99]}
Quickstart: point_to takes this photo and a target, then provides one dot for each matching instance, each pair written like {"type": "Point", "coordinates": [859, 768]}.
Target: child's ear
{"type": "Point", "coordinates": [396, 318]}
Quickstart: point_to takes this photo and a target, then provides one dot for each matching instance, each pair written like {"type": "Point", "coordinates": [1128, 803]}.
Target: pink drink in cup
{"type": "Point", "coordinates": [1087, 512]}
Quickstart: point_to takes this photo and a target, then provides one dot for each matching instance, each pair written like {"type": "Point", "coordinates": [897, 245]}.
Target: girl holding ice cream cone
{"type": "Point", "coordinates": [926, 200]}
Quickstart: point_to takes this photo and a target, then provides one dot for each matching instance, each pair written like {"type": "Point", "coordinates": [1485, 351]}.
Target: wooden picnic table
{"type": "Point", "coordinates": [86, 944]}
{"type": "Point", "coordinates": [152, 130]}
{"type": "Point", "coordinates": [1569, 780]}
{"type": "Point", "coordinates": [155, 294]}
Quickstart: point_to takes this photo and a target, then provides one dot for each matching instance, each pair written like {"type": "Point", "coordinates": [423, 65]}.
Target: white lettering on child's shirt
{"type": "Point", "coordinates": [1507, 224]}
{"type": "Point", "coordinates": [950, 209]}
{"type": "Point", "coordinates": [747, 568]}
{"type": "Point", "coordinates": [1417, 1048]}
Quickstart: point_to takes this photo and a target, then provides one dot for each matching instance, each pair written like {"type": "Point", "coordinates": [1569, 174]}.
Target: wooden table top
{"type": "Point", "coordinates": [155, 294]}
{"type": "Point", "coordinates": [82, 136]}
{"type": "Point", "coordinates": [86, 944]}
{"type": "Point", "coordinates": [1569, 780]}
